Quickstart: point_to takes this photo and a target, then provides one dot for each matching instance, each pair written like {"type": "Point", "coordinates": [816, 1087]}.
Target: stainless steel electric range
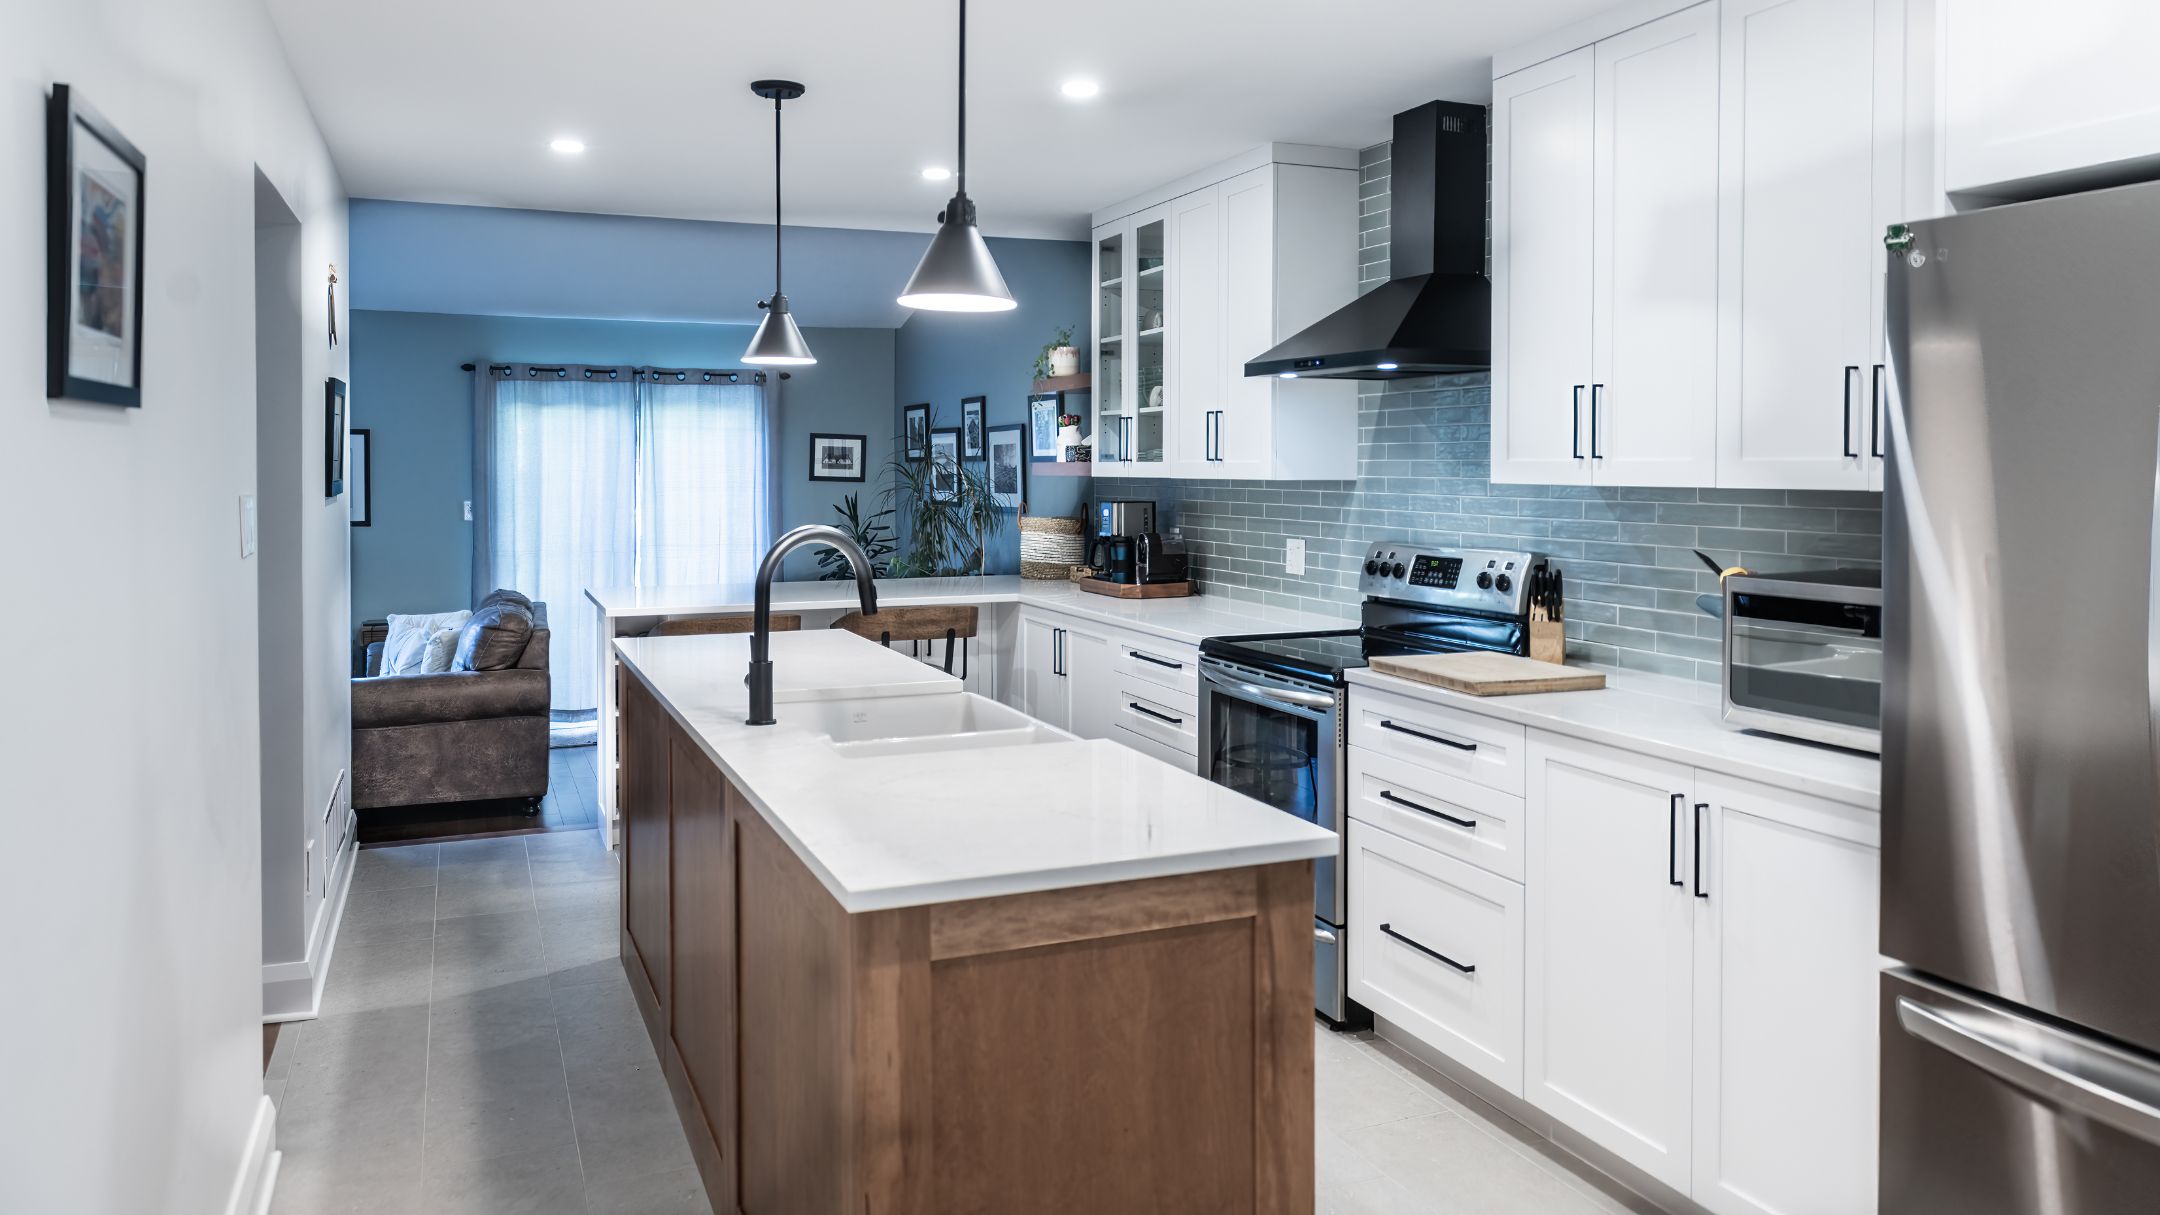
{"type": "Point", "coordinates": [1271, 705]}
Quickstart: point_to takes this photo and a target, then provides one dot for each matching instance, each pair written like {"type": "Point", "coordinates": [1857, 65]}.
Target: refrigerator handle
{"type": "Point", "coordinates": [2047, 1064]}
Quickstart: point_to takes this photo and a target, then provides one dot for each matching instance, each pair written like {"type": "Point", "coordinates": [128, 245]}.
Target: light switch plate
{"type": "Point", "coordinates": [1293, 556]}
{"type": "Point", "coordinates": [247, 526]}
{"type": "Point", "coordinates": [468, 511]}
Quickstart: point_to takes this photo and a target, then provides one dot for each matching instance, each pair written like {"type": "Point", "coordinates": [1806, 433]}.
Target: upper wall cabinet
{"type": "Point", "coordinates": [2042, 99]}
{"type": "Point", "coordinates": [1197, 277]}
{"type": "Point", "coordinates": [1687, 219]}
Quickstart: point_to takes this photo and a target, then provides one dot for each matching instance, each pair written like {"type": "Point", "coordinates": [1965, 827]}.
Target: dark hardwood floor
{"type": "Point", "coordinates": [571, 804]}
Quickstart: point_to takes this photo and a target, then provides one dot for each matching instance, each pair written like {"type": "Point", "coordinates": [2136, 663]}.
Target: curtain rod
{"type": "Point", "coordinates": [681, 376]}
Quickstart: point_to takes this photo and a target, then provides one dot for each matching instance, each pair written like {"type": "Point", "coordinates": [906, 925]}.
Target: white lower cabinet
{"type": "Point", "coordinates": [1043, 693]}
{"type": "Point", "coordinates": [1436, 946]}
{"type": "Point", "coordinates": [1100, 683]}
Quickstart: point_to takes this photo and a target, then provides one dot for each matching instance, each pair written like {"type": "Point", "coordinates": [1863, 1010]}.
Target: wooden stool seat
{"type": "Point", "coordinates": [704, 626]}
{"type": "Point", "coordinates": [951, 625]}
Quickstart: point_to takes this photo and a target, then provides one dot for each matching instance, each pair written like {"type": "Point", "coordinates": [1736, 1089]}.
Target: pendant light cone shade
{"type": "Point", "coordinates": [957, 273]}
{"type": "Point", "coordinates": [777, 340]}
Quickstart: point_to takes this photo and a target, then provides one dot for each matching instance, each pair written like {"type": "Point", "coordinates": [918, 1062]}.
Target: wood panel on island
{"type": "Point", "coordinates": [1135, 1045]}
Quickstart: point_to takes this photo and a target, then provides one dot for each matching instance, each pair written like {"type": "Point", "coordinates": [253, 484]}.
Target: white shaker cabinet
{"type": "Point", "coordinates": [1043, 692]}
{"type": "Point", "coordinates": [1069, 674]}
{"type": "Point", "coordinates": [1812, 167]}
{"type": "Point", "coordinates": [1610, 951]}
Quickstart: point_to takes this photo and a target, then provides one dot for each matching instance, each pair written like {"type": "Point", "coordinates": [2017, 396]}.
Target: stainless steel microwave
{"type": "Point", "coordinates": [1804, 655]}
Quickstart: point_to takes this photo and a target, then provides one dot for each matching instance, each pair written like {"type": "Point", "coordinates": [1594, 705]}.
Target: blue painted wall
{"type": "Point", "coordinates": [940, 357]}
{"type": "Point", "coordinates": [407, 388]}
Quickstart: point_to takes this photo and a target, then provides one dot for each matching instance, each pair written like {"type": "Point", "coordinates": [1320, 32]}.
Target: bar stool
{"type": "Point", "coordinates": [702, 626]}
{"type": "Point", "coordinates": [915, 625]}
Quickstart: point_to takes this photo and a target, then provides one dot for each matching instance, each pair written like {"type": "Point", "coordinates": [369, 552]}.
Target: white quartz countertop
{"type": "Point", "coordinates": [1675, 719]}
{"type": "Point", "coordinates": [909, 829]}
{"type": "Point", "coordinates": [1186, 620]}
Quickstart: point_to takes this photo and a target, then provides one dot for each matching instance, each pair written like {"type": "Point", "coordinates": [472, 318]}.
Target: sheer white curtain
{"type": "Point", "coordinates": [704, 480]}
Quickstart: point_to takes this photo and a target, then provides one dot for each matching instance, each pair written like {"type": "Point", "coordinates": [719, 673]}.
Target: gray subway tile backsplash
{"type": "Point", "coordinates": [1424, 476]}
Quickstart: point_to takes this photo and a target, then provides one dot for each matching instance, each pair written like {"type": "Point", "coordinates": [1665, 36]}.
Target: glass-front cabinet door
{"type": "Point", "coordinates": [1147, 434]}
{"type": "Point", "coordinates": [1112, 411]}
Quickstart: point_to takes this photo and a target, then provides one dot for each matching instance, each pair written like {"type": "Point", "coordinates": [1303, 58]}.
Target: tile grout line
{"type": "Point", "coordinates": [577, 1144]}
{"type": "Point", "coordinates": [427, 1043]}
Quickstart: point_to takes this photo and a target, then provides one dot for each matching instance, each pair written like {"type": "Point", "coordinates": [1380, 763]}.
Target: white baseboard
{"type": "Point", "coordinates": [258, 1165]}
{"type": "Point", "coordinates": [292, 991]}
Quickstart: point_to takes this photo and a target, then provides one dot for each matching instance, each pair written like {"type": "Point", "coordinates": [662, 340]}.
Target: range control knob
{"type": "Point", "coordinates": [1484, 580]}
{"type": "Point", "coordinates": [1503, 584]}
{"type": "Point", "coordinates": [1371, 568]}
{"type": "Point", "coordinates": [1398, 569]}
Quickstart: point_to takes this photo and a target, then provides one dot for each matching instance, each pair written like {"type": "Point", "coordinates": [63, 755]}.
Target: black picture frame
{"type": "Point", "coordinates": [915, 430]}
{"type": "Point", "coordinates": [944, 465]}
{"type": "Point", "coordinates": [1012, 438]}
{"type": "Point", "coordinates": [973, 417]}
{"type": "Point", "coordinates": [824, 449]}
{"type": "Point", "coordinates": [333, 437]}
{"type": "Point", "coordinates": [79, 241]}
{"type": "Point", "coordinates": [362, 467]}
{"type": "Point", "coordinates": [1043, 411]}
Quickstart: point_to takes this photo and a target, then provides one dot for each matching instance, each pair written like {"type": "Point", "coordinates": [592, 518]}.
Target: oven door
{"type": "Point", "coordinates": [1278, 742]}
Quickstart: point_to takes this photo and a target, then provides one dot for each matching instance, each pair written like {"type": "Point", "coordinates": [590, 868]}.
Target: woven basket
{"type": "Point", "coordinates": [1050, 545]}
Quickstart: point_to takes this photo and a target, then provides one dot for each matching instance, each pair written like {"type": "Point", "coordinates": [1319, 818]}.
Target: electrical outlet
{"type": "Point", "coordinates": [1293, 556]}
{"type": "Point", "coordinates": [468, 510]}
{"type": "Point", "coordinates": [247, 526]}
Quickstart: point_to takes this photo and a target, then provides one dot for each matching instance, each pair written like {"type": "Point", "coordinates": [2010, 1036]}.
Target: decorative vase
{"type": "Point", "coordinates": [1065, 360]}
{"type": "Point", "coordinates": [1068, 438]}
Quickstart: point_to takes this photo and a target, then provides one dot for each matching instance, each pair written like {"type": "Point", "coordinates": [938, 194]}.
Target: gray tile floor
{"type": "Point", "coordinates": [479, 1052]}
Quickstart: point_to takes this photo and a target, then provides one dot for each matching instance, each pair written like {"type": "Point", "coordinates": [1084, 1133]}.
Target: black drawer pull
{"type": "Point", "coordinates": [1430, 953]}
{"type": "Point", "coordinates": [1385, 724]}
{"type": "Point", "coordinates": [1467, 824]}
{"type": "Point", "coordinates": [1137, 707]}
{"type": "Point", "coordinates": [1161, 662]}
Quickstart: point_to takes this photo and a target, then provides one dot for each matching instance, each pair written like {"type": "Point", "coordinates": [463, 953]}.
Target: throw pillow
{"type": "Point", "coordinates": [405, 645]}
{"type": "Point", "coordinates": [441, 648]}
{"type": "Point", "coordinates": [494, 638]}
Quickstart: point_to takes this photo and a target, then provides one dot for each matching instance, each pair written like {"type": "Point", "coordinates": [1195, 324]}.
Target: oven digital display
{"type": "Point", "coordinates": [1440, 572]}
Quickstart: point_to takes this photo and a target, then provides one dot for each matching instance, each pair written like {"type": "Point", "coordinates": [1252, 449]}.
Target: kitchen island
{"type": "Point", "coordinates": [909, 951]}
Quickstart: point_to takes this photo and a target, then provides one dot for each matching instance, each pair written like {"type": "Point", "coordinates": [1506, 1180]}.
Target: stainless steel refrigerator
{"type": "Point", "coordinates": [2021, 806]}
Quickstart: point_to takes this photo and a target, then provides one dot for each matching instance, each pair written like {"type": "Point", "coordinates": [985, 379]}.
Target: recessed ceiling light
{"type": "Point", "coordinates": [1080, 88]}
{"type": "Point", "coordinates": [566, 146]}
{"type": "Point", "coordinates": [936, 173]}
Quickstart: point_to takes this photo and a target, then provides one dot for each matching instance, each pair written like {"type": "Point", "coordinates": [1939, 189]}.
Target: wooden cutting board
{"type": "Point", "coordinates": [1483, 674]}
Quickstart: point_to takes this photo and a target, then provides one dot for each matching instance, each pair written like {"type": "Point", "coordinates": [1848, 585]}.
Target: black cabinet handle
{"type": "Point", "coordinates": [1700, 893]}
{"type": "Point", "coordinates": [1057, 651]}
{"type": "Point", "coordinates": [1596, 390]}
{"type": "Point", "coordinates": [1430, 953]}
{"type": "Point", "coordinates": [1445, 742]}
{"type": "Point", "coordinates": [1467, 824]}
{"type": "Point", "coordinates": [1137, 707]}
{"type": "Point", "coordinates": [1161, 662]}
{"type": "Point", "coordinates": [1672, 843]}
{"type": "Point", "coordinates": [1846, 414]}
{"type": "Point", "coordinates": [1575, 426]}
{"type": "Point", "coordinates": [1875, 408]}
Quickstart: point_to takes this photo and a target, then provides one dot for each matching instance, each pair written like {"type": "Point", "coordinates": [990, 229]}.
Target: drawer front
{"type": "Point", "coordinates": [1183, 761]}
{"type": "Point", "coordinates": [1450, 815]}
{"type": "Point", "coordinates": [1161, 663]}
{"type": "Point", "coordinates": [1436, 946]}
{"type": "Point", "coordinates": [1159, 713]}
{"type": "Point", "coordinates": [1439, 737]}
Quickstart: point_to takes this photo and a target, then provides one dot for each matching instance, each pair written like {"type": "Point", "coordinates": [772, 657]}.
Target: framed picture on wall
{"type": "Point", "coordinates": [93, 256]}
{"type": "Point", "coordinates": [1008, 465]}
{"type": "Point", "coordinates": [363, 484]}
{"type": "Point", "coordinates": [971, 427]}
{"type": "Point", "coordinates": [1043, 411]}
{"type": "Point", "coordinates": [915, 430]}
{"type": "Point", "coordinates": [333, 437]}
{"type": "Point", "coordinates": [837, 457]}
{"type": "Point", "coordinates": [945, 463]}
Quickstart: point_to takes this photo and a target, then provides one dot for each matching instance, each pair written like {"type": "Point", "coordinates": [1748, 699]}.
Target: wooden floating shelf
{"type": "Point", "coordinates": [1083, 382]}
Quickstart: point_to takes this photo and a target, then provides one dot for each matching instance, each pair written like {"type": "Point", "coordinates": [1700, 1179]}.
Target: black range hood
{"type": "Point", "coordinates": [1434, 315]}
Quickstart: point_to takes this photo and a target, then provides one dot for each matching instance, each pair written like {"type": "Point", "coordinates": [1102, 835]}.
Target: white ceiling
{"type": "Point", "coordinates": [455, 100]}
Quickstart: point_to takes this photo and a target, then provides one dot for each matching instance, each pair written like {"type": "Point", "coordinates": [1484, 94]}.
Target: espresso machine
{"type": "Point", "coordinates": [1114, 549]}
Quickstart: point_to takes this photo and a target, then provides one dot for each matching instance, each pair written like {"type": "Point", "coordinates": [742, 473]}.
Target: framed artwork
{"type": "Point", "coordinates": [93, 256]}
{"type": "Point", "coordinates": [333, 437]}
{"type": "Point", "coordinates": [1008, 465]}
{"type": "Point", "coordinates": [1043, 411]}
{"type": "Point", "coordinates": [945, 463]}
{"type": "Point", "coordinates": [971, 427]}
{"type": "Point", "coordinates": [915, 430]}
{"type": "Point", "coordinates": [837, 457]}
{"type": "Point", "coordinates": [363, 481]}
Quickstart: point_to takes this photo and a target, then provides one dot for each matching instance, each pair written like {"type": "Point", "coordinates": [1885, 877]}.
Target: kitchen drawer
{"type": "Point", "coordinates": [1445, 739]}
{"type": "Point", "coordinates": [1168, 717]}
{"type": "Point", "coordinates": [1183, 761]}
{"type": "Point", "coordinates": [1162, 663]}
{"type": "Point", "coordinates": [1450, 815]}
{"type": "Point", "coordinates": [1436, 947]}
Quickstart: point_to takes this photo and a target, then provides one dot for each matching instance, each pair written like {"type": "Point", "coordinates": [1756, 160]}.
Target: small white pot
{"type": "Point", "coordinates": [1068, 438]}
{"type": "Point", "coordinates": [1065, 360]}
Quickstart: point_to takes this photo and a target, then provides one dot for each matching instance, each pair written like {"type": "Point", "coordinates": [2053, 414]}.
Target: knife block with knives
{"type": "Point", "coordinates": [1548, 615]}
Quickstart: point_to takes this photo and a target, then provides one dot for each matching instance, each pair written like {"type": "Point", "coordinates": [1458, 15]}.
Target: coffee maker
{"type": "Point", "coordinates": [1114, 550]}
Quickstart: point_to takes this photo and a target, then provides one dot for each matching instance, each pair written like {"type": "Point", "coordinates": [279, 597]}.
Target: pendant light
{"type": "Point", "coordinates": [957, 273]}
{"type": "Point", "coordinates": [777, 340]}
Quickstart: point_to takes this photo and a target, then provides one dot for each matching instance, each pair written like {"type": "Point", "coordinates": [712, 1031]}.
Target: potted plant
{"type": "Point", "coordinates": [872, 534]}
{"type": "Point", "coordinates": [950, 511]}
{"type": "Point", "coordinates": [1058, 357]}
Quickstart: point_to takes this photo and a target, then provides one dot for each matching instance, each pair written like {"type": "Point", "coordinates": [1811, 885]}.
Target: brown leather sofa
{"type": "Point", "coordinates": [478, 730]}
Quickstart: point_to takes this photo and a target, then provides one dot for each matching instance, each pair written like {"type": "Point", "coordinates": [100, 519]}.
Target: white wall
{"type": "Point", "coordinates": [129, 1035]}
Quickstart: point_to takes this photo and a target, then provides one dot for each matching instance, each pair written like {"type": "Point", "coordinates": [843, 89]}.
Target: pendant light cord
{"type": "Point", "coordinates": [776, 194]}
{"type": "Point", "coordinates": [963, 99]}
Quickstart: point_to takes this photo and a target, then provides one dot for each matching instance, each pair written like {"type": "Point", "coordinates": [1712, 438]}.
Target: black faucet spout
{"type": "Point", "coordinates": [760, 678]}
